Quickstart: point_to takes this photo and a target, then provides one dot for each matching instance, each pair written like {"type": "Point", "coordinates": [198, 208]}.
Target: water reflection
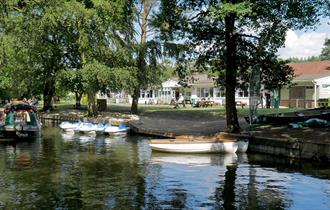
{"type": "Point", "coordinates": [121, 172]}
{"type": "Point", "coordinates": [195, 159]}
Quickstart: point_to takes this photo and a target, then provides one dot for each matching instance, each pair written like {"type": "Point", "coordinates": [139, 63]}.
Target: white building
{"type": "Point", "coordinates": [310, 86]}
{"type": "Point", "coordinates": [199, 87]}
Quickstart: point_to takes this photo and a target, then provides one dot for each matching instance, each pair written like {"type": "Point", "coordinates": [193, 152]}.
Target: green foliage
{"type": "Point", "coordinates": [233, 37]}
{"type": "Point", "coordinates": [325, 54]}
{"type": "Point", "coordinates": [302, 60]}
{"type": "Point", "coordinates": [241, 9]}
{"type": "Point", "coordinates": [100, 77]}
{"type": "Point", "coordinates": [43, 43]}
{"type": "Point", "coordinates": [70, 80]}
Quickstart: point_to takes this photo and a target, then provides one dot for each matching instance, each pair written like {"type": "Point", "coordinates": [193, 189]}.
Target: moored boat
{"type": "Point", "coordinates": [292, 117]}
{"type": "Point", "coordinates": [110, 129]}
{"type": "Point", "coordinates": [193, 146]}
{"type": "Point", "coordinates": [20, 120]}
{"type": "Point", "coordinates": [86, 127]}
{"type": "Point", "coordinates": [241, 139]}
{"type": "Point", "coordinates": [69, 126]}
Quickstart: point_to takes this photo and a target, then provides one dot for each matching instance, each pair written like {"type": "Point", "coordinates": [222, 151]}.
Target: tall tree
{"type": "Point", "coordinates": [51, 36]}
{"type": "Point", "coordinates": [94, 36]}
{"type": "Point", "coordinates": [144, 9]}
{"type": "Point", "coordinates": [37, 39]}
{"type": "Point", "coordinates": [325, 54]}
{"type": "Point", "coordinates": [232, 36]}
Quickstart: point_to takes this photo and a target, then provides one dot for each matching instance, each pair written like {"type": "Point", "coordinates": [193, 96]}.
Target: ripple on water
{"type": "Point", "coordinates": [121, 172]}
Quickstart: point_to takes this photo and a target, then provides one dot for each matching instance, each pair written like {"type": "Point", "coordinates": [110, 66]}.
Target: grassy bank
{"type": "Point", "coordinates": [167, 111]}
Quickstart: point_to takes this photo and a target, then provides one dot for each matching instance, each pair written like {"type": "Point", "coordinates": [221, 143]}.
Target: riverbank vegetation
{"type": "Point", "coordinates": [52, 48]}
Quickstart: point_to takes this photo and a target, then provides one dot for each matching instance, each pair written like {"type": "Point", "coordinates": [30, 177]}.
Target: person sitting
{"type": "Point", "coordinates": [8, 105]}
{"type": "Point", "coordinates": [181, 100]}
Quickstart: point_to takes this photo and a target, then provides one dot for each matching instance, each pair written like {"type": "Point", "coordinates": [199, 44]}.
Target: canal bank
{"type": "Point", "coordinates": [303, 143]}
{"type": "Point", "coordinates": [55, 118]}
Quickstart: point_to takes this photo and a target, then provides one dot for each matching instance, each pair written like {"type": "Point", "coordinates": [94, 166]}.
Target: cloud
{"type": "Point", "coordinates": [302, 46]}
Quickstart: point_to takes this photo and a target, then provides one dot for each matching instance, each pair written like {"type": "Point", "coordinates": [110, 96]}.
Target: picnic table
{"type": "Point", "coordinates": [204, 103]}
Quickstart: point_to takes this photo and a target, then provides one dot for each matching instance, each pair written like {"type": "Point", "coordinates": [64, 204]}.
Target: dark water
{"type": "Point", "coordinates": [119, 172]}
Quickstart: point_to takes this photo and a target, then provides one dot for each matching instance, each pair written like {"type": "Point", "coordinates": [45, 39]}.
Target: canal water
{"type": "Point", "coordinates": [59, 171]}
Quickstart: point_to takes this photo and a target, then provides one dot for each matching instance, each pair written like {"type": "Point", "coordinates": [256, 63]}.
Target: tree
{"type": "Point", "coordinates": [144, 49]}
{"type": "Point", "coordinates": [72, 80]}
{"type": "Point", "coordinates": [325, 54]}
{"type": "Point", "coordinates": [233, 36]}
{"type": "Point", "coordinates": [37, 41]}
{"type": "Point", "coordinates": [94, 42]}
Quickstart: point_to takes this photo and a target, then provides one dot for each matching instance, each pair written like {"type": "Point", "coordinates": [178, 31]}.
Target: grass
{"type": "Point", "coordinates": [167, 111]}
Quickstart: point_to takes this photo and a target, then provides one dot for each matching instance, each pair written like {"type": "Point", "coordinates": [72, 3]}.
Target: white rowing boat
{"type": "Point", "coordinates": [193, 146]}
{"type": "Point", "coordinates": [221, 143]}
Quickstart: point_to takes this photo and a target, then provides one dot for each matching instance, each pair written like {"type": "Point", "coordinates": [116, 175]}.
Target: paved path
{"type": "Point", "coordinates": [167, 127]}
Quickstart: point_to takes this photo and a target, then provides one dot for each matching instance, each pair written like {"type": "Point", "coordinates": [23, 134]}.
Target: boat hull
{"type": "Point", "coordinates": [115, 129]}
{"type": "Point", "coordinates": [68, 126]}
{"type": "Point", "coordinates": [292, 117]}
{"type": "Point", "coordinates": [190, 146]}
{"type": "Point", "coordinates": [243, 146]}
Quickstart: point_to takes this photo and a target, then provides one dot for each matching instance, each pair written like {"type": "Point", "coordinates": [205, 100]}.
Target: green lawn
{"type": "Point", "coordinates": [168, 110]}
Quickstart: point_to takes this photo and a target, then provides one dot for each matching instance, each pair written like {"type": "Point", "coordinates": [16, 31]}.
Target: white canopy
{"type": "Point", "coordinates": [170, 84]}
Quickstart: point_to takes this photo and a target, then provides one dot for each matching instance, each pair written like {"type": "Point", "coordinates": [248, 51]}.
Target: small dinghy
{"type": "Point", "coordinates": [222, 143]}
{"type": "Point", "coordinates": [69, 125]}
{"type": "Point", "coordinates": [116, 129]}
{"type": "Point", "coordinates": [86, 128]}
{"type": "Point", "coordinates": [100, 128]}
{"type": "Point", "coordinates": [193, 146]}
{"type": "Point", "coordinates": [243, 145]}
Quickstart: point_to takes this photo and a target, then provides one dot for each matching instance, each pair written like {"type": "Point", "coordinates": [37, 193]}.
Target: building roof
{"type": "Point", "coordinates": [311, 68]}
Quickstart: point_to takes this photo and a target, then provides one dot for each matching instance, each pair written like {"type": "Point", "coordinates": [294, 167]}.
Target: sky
{"type": "Point", "coordinates": [304, 44]}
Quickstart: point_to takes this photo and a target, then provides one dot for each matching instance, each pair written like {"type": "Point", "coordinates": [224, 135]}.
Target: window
{"type": "Point", "coordinates": [187, 93]}
{"type": "Point", "coordinates": [243, 93]}
{"type": "Point", "coordinates": [199, 92]}
{"type": "Point", "coordinates": [222, 92]}
{"type": "Point", "coordinates": [325, 85]}
{"type": "Point", "coordinates": [205, 92]}
{"type": "Point", "coordinates": [297, 92]}
{"type": "Point", "coordinates": [216, 92]}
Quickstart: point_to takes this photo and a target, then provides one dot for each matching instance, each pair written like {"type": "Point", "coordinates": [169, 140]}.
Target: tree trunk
{"type": "Point", "coordinates": [92, 109]}
{"type": "Point", "coordinates": [135, 100]}
{"type": "Point", "coordinates": [78, 99]}
{"type": "Point", "coordinates": [141, 58]}
{"type": "Point", "coordinates": [49, 92]}
{"type": "Point", "coordinates": [231, 73]}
